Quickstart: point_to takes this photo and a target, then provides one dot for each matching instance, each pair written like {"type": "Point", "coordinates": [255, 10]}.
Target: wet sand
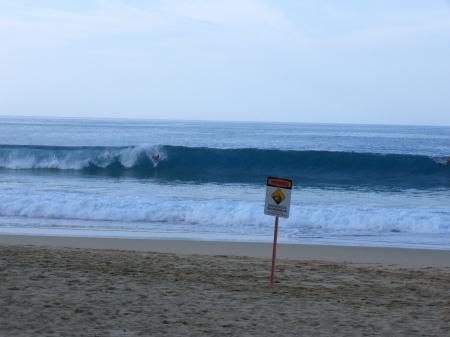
{"type": "Point", "coordinates": [115, 287]}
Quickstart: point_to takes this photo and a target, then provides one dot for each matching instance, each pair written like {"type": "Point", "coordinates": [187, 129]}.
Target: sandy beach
{"type": "Point", "coordinates": [115, 287]}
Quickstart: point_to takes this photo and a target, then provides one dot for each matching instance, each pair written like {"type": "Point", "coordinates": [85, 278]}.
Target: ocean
{"type": "Point", "coordinates": [364, 185]}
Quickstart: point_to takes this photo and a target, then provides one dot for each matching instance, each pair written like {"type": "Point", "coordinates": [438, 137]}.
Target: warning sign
{"type": "Point", "coordinates": [278, 197]}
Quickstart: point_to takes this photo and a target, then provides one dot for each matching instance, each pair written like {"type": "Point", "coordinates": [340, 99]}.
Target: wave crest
{"type": "Point", "coordinates": [251, 166]}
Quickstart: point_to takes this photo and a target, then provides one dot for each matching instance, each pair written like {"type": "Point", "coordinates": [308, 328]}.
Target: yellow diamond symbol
{"type": "Point", "coordinates": [278, 196]}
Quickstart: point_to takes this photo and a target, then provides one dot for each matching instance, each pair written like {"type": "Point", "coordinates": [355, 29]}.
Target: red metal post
{"type": "Point", "coordinates": [274, 253]}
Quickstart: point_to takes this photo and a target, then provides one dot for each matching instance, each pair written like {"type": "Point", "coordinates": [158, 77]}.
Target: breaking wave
{"type": "Point", "coordinates": [248, 165]}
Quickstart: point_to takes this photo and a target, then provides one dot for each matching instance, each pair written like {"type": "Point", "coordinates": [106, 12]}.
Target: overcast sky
{"type": "Point", "coordinates": [382, 62]}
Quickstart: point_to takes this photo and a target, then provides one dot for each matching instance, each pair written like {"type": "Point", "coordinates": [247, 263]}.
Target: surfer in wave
{"type": "Point", "coordinates": [447, 161]}
{"type": "Point", "coordinates": [154, 157]}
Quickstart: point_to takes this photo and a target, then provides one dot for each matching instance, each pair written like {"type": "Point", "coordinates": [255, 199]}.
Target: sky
{"type": "Point", "coordinates": [369, 62]}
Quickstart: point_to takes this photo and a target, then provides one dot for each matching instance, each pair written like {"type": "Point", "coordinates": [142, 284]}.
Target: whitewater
{"type": "Point", "coordinates": [368, 185]}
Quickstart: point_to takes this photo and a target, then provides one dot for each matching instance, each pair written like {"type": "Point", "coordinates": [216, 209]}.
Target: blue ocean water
{"type": "Point", "coordinates": [366, 185]}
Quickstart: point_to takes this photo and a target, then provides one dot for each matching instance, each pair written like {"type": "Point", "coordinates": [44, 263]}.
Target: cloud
{"type": "Point", "coordinates": [232, 14]}
{"type": "Point", "coordinates": [386, 27]}
{"type": "Point", "coordinates": [229, 24]}
{"type": "Point", "coordinates": [42, 27]}
{"type": "Point", "coordinates": [27, 27]}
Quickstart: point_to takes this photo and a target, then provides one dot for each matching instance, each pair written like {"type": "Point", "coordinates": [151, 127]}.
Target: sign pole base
{"type": "Point", "coordinates": [274, 253]}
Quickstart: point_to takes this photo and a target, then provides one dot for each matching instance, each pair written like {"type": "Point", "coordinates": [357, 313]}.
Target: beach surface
{"type": "Point", "coordinates": [60, 286]}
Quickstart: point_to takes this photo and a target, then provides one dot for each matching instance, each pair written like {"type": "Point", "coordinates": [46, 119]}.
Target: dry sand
{"type": "Point", "coordinates": [57, 291]}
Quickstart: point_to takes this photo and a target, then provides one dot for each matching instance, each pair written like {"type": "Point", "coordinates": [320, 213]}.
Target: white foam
{"type": "Point", "coordinates": [76, 159]}
{"type": "Point", "coordinates": [231, 216]}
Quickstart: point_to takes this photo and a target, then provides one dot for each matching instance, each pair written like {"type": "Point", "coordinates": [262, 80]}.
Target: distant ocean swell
{"type": "Point", "coordinates": [240, 217]}
{"type": "Point", "coordinates": [310, 168]}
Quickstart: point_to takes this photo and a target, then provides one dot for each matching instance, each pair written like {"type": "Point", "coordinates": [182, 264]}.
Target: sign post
{"type": "Point", "coordinates": [278, 201]}
{"type": "Point", "coordinates": [274, 251]}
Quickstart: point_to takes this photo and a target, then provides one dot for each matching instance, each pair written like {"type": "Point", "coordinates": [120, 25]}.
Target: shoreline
{"type": "Point", "coordinates": [386, 257]}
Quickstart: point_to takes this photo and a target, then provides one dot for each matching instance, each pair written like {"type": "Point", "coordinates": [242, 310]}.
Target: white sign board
{"type": "Point", "coordinates": [278, 197]}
